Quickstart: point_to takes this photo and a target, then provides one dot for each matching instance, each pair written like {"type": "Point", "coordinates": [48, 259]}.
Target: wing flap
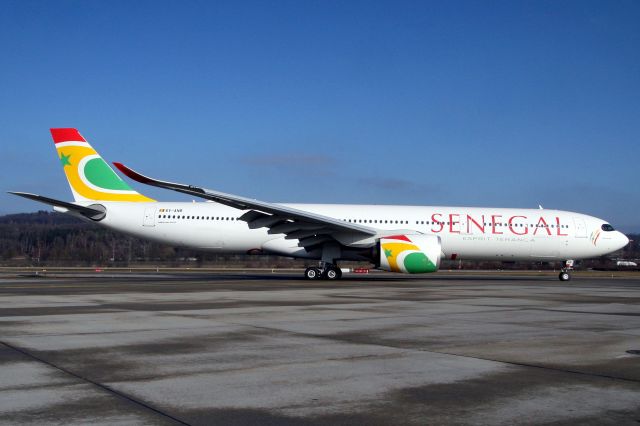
{"type": "Point", "coordinates": [314, 241]}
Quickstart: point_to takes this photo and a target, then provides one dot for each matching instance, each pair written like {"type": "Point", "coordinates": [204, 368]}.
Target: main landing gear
{"type": "Point", "coordinates": [328, 272]}
{"type": "Point", "coordinates": [565, 272]}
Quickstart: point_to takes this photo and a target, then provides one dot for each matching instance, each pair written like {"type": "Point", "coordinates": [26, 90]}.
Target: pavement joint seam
{"type": "Point", "coordinates": [89, 333]}
{"type": "Point", "coordinates": [515, 363]}
{"type": "Point", "coordinates": [99, 385]}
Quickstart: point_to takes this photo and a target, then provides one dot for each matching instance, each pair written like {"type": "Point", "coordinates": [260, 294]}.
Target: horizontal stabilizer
{"type": "Point", "coordinates": [90, 212]}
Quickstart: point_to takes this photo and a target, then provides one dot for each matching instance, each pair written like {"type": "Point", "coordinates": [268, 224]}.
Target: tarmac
{"type": "Point", "coordinates": [271, 349]}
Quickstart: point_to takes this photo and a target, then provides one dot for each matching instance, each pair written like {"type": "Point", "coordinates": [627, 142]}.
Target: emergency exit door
{"type": "Point", "coordinates": [149, 217]}
{"type": "Point", "coordinates": [581, 227]}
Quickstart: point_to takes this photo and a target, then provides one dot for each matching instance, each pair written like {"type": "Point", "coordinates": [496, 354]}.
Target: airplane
{"type": "Point", "coordinates": [403, 239]}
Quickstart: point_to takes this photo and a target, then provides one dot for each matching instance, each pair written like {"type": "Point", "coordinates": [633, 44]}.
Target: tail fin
{"type": "Point", "coordinates": [89, 176]}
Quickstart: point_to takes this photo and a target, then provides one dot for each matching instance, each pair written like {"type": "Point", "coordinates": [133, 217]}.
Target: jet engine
{"type": "Point", "coordinates": [411, 254]}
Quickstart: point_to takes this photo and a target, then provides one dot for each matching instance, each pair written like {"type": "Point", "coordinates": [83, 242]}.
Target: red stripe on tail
{"type": "Point", "coordinates": [66, 135]}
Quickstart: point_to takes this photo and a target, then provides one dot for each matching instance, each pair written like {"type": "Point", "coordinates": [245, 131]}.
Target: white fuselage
{"type": "Point", "coordinates": [465, 232]}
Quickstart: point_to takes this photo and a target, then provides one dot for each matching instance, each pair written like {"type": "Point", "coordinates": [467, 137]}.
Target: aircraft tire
{"type": "Point", "coordinates": [333, 273]}
{"type": "Point", "coordinates": [312, 273]}
{"type": "Point", "coordinates": [564, 276]}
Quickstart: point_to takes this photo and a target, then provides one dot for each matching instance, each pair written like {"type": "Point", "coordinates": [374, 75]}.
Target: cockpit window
{"type": "Point", "coordinates": [607, 228]}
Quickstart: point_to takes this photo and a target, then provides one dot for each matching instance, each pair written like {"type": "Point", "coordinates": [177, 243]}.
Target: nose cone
{"type": "Point", "coordinates": [621, 240]}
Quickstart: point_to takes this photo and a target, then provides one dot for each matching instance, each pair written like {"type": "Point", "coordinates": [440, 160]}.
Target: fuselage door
{"type": "Point", "coordinates": [149, 217]}
{"type": "Point", "coordinates": [581, 227]}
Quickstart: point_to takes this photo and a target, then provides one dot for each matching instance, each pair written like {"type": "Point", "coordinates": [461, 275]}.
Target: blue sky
{"type": "Point", "coordinates": [506, 104]}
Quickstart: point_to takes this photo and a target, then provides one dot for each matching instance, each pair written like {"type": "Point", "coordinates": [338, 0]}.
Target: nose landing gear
{"type": "Point", "coordinates": [565, 272]}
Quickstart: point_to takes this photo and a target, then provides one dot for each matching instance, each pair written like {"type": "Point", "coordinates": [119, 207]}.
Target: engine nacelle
{"type": "Point", "coordinates": [411, 254]}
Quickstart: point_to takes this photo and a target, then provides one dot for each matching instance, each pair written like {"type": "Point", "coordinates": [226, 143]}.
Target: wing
{"type": "Point", "coordinates": [309, 228]}
{"type": "Point", "coordinates": [89, 212]}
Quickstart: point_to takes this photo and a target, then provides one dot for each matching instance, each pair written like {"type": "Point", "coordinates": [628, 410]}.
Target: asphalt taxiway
{"type": "Point", "coordinates": [274, 349]}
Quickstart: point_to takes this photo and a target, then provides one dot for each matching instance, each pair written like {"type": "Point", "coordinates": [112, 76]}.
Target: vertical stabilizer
{"type": "Point", "coordinates": [90, 177]}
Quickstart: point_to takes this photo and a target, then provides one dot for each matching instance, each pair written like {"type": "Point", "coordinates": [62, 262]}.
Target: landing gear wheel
{"type": "Point", "coordinates": [564, 276]}
{"type": "Point", "coordinates": [333, 273]}
{"type": "Point", "coordinates": [312, 273]}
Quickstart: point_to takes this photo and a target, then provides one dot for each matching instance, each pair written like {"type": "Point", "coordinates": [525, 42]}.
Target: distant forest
{"type": "Point", "coordinates": [54, 239]}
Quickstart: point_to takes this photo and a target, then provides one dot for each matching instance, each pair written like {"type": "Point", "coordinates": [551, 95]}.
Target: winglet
{"type": "Point", "coordinates": [132, 174]}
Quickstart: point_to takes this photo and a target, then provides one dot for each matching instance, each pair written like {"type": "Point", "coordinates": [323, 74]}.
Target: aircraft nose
{"type": "Point", "coordinates": [623, 239]}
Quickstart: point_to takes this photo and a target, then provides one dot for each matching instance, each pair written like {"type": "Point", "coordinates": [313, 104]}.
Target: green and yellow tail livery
{"type": "Point", "coordinates": [89, 176]}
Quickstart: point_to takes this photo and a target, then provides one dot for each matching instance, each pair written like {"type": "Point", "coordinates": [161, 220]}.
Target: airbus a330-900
{"type": "Point", "coordinates": [404, 239]}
